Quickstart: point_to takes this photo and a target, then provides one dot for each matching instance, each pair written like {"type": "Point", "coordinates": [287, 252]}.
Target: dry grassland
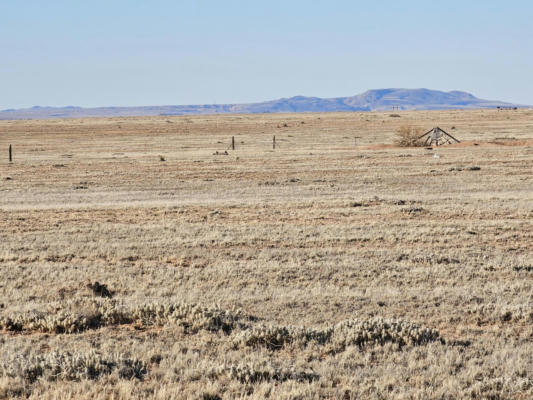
{"type": "Point", "coordinates": [336, 266]}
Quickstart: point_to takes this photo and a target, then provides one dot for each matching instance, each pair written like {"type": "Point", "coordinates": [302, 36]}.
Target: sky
{"type": "Point", "coordinates": [161, 52]}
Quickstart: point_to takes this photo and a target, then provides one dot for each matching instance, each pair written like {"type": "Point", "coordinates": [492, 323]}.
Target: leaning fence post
{"type": "Point", "coordinates": [10, 154]}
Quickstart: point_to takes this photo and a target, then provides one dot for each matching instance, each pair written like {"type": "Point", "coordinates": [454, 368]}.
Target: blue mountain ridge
{"type": "Point", "coordinates": [371, 100]}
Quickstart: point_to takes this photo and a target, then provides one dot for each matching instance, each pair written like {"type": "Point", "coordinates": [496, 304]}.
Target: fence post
{"type": "Point", "coordinates": [233, 143]}
{"type": "Point", "coordinates": [274, 142]}
{"type": "Point", "coordinates": [10, 154]}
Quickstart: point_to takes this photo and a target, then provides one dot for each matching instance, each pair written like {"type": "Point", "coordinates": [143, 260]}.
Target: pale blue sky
{"type": "Point", "coordinates": [118, 52]}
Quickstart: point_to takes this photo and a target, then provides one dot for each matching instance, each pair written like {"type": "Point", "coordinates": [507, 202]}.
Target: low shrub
{"type": "Point", "coordinates": [409, 136]}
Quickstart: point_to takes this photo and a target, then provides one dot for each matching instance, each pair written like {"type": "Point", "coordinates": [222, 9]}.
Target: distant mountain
{"type": "Point", "coordinates": [372, 100]}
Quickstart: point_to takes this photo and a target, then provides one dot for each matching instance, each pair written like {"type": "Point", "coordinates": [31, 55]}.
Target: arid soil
{"type": "Point", "coordinates": [144, 258]}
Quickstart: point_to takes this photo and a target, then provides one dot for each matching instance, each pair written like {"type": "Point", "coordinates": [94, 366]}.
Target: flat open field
{"type": "Point", "coordinates": [336, 266]}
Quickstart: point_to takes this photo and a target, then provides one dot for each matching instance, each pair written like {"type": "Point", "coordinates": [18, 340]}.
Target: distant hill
{"type": "Point", "coordinates": [372, 100]}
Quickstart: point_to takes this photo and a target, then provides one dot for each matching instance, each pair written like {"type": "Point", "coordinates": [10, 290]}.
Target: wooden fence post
{"type": "Point", "coordinates": [233, 143]}
{"type": "Point", "coordinates": [274, 142]}
{"type": "Point", "coordinates": [10, 154]}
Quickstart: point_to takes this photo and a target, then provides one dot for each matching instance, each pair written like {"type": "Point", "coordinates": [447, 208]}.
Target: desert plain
{"type": "Point", "coordinates": [144, 258]}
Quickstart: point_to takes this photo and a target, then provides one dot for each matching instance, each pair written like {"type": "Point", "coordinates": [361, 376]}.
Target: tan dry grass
{"type": "Point", "coordinates": [336, 224]}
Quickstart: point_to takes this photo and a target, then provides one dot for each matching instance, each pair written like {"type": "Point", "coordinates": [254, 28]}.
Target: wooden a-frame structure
{"type": "Point", "coordinates": [438, 136]}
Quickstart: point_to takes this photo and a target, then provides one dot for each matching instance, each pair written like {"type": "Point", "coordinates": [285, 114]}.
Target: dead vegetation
{"type": "Point", "coordinates": [409, 136]}
{"type": "Point", "coordinates": [322, 269]}
{"type": "Point", "coordinates": [57, 366]}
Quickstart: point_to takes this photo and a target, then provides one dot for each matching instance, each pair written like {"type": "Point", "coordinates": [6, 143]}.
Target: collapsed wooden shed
{"type": "Point", "coordinates": [437, 137]}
